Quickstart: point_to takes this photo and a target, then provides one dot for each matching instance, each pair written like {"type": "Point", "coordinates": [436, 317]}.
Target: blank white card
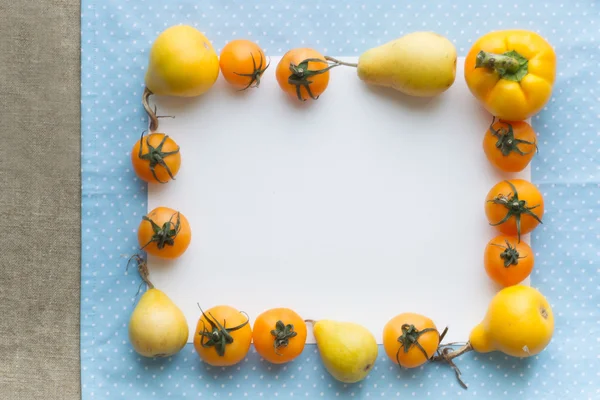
{"type": "Point", "coordinates": [358, 206]}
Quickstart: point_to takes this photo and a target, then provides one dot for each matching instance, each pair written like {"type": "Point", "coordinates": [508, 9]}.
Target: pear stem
{"type": "Point", "coordinates": [447, 355]}
{"type": "Point", "coordinates": [151, 114]}
{"type": "Point", "coordinates": [444, 354]}
{"type": "Point", "coordinates": [144, 274]}
{"type": "Point", "coordinates": [334, 60]}
{"type": "Point", "coordinates": [142, 267]}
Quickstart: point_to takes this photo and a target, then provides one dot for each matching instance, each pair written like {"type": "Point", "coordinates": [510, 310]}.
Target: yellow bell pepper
{"type": "Point", "coordinates": [511, 72]}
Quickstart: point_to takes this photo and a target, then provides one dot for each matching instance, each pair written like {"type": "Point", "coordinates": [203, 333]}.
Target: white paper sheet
{"type": "Point", "coordinates": [359, 206]}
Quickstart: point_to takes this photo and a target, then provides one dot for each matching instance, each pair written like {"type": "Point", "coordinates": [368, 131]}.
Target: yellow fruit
{"type": "Point", "coordinates": [348, 350]}
{"type": "Point", "coordinates": [157, 327]}
{"type": "Point", "coordinates": [419, 64]}
{"type": "Point", "coordinates": [519, 322]}
{"type": "Point", "coordinates": [182, 63]}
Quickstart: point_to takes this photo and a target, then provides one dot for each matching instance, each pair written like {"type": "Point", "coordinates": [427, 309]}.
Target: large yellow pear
{"type": "Point", "coordinates": [519, 322]}
{"type": "Point", "coordinates": [421, 64]}
{"type": "Point", "coordinates": [157, 327]}
{"type": "Point", "coordinates": [348, 350]}
{"type": "Point", "coordinates": [182, 63]}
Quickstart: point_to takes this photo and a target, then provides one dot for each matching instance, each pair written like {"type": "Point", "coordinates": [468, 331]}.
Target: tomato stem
{"type": "Point", "coordinates": [256, 73]}
{"type": "Point", "coordinates": [515, 208]}
{"type": "Point", "coordinates": [301, 74]}
{"type": "Point", "coordinates": [219, 336]}
{"type": "Point", "coordinates": [155, 156]}
{"type": "Point", "coordinates": [282, 333]}
{"type": "Point", "coordinates": [510, 255]}
{"type": "Point", "coordinates": [507, 142]}
{"type": "Point", "coordinates": [165, 234]}
{"type": "Point", "coordinates": [410, 337]}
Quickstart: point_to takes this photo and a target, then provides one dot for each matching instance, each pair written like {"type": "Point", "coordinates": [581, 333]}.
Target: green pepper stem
{"type": "Point", "coordinates": [498, 62]}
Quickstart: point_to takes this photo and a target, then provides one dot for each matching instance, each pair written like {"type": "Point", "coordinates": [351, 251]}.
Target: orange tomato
{"type": "Point", "coordinates": [164, 233]}
{"type": "Point", "coordinates": [514, 207]}
{"type": "Point", "coordinates": [509, 146]}
{"type": "Point", "coordinates": [155, 158]}
{"type": "Point", "coordinates": [508, 261]}
{"type": "Point", "coordinates": [303, 73]}
{"type": "Point", "coordinates": [243, 63]}
{"type": "Point", "coordinates": [279, 335]}
{"type": "Point", "coordinates": [223, 336]}
{"type": "Point", "coordinates": [410, 339]}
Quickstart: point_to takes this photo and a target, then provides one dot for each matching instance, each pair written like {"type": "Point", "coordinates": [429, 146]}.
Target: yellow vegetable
{"type": "Point", "coordinates": [511, 72]}
{"type": "Point", "coordinates": [519, 322]}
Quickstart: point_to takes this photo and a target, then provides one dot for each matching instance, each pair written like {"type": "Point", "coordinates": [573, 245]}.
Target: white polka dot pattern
{"type": "Point", "coordinates": [116, 37]}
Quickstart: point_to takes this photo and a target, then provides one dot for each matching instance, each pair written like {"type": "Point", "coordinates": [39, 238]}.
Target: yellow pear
{"type": "Point", "coordinates": [348, 350]}
{"type": "Point", "coordinates": [157, 327]}
{"type": "Point", "coordinates": [421, 64]}
{"type": "Point", "coordinates": [182, 63]}
{"type": "Point", "coordinates": [519, 322]}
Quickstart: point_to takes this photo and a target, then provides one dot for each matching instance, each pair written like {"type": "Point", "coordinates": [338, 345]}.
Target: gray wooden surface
{"type": "Point", "coordinates": [39, 199]}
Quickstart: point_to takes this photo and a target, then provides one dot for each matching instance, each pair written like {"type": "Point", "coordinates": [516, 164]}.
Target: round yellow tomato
{"type": "Point", "coordinates": [243, 63]}
{"type": "Point", "coordinates": [410, 339]}
{"type": "Point", "coordinates": [514, 207]}
{"type": "Point", "coordinates": [279, 335]}
{"type": "Point", "coordinates": [164, 233]}
{"type": "Point", "coordinates": [507, 261]}
{"type": "Point", "coordinates": [223, 336]}
{"type": "Point", "coordinates": [509, 146]}
{"type": "Point", "coordinates": [156, 158]}
{"type": "Point", "coordinates": [303, 73]}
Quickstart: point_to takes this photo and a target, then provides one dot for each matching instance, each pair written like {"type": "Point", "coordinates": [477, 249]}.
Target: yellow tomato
{"type": "Point", "coordinates": [515, 207]}
{"type": "Point", "coordinates": [223, 336]}
{"type": "Point", "coordinates": [164, 233]}
{"type": "Point", "coordinates": [410, 339]}
{"type": "Point", "coordinates": [511, 72]}
{"type": "Point", "coordinates": [510, 145]}
{"type": "Point", "coordinates": [243, 63]}
{"type": "Point", "coordinates": [156, 158]}
{"type": "Point", "coordinates": [303, 73]}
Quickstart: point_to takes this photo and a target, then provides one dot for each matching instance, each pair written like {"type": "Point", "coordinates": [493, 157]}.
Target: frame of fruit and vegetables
{"type": "Point", "coordinates": [511, 73]}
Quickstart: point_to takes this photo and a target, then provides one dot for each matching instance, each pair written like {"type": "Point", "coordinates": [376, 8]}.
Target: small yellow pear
{"type": "Point", "coordinates": [182, 63]}
{"type": "Point", "coordinates": [348, 350]}
{"type": "Point", "coordinates": [519, 322]}
{"type": "Point", "coordinates": [421, 64]}
{"type": "Point", "coordinates": [157, 327]}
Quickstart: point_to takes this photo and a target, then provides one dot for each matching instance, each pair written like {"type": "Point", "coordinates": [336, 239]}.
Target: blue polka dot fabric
{"type": "Point", "coordinates": [116, 38]}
